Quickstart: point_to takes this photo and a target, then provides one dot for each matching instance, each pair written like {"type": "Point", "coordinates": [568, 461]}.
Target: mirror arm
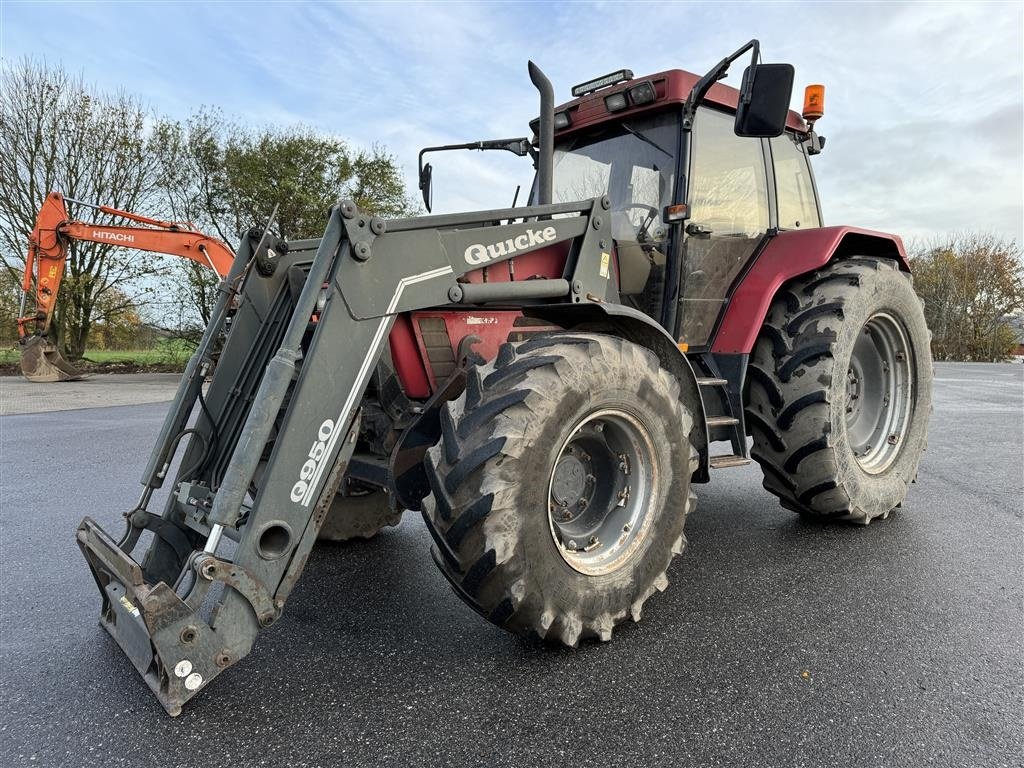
{"type": "Point", "coordinates": [520, 146]}
{"type": "Point", "coordinates": [701, 87]}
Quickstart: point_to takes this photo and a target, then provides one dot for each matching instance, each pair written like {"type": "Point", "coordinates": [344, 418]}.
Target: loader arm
{"type": "Point", "coordinates": [47, 254]}
{"type": "Point", "coordinates": [281, 415]}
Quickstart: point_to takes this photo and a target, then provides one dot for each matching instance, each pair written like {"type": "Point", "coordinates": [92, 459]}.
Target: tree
{"type": "Point", "coordinates": [970, 285]}
{"type": "Point", "coordinates": [57, 133]}
{"type": "Point", "coordinates": [10, 303]}
{"type": "Point", "coordinates": [226, 178]}
{"type": "Point", "coordinates": [116, 322]}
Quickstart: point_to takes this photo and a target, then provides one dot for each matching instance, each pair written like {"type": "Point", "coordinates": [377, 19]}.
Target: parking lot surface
{"type": "Point", "coordinates": [98, 390]}
{"type": "Point", "coordinates": [778, 642]}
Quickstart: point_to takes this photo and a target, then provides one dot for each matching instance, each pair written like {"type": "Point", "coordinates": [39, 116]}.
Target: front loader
{"type": "Point", "coordinates": [544, 383]}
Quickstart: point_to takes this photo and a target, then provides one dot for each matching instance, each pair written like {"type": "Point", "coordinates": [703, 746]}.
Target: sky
{"type": "Point", "coordinates": [923, 100]}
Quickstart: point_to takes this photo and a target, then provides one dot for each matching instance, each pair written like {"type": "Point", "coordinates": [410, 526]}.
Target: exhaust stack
{"type": "Point", "coordinates": [545, 134]}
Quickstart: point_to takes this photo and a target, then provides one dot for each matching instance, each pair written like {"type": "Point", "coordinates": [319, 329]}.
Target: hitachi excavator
{"type": "Point", "coordinates": [48, 246]}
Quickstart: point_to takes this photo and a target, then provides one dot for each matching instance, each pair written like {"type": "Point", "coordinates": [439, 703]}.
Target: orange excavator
{"type": "Point", "coordinates": [47, 251]}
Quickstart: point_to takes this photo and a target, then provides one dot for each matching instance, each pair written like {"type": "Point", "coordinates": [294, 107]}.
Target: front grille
{"type": "Point", "coordinates": [438, 345]}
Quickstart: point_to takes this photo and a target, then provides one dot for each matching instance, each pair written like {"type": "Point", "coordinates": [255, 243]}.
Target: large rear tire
{"type": "Point", "coordinates": [561, 485]}
{"type": "Point", "coordinates": [840, 391]}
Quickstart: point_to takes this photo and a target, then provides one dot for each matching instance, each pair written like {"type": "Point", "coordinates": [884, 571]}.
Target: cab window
{"type": "Point", "coordinates": [728, 218]}
{"type": "Point", "coordinates": [634, 164]}
{"type": "Point", "coordinates": [793, 187]}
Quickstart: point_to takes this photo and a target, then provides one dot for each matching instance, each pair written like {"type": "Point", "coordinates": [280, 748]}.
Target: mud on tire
{"type": "Point", "coordinates": [492, 475]}
{"type": "Point", "coordinates": [807, 386]}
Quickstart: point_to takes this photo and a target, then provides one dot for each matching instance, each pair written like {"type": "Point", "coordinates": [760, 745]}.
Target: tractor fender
{"type": "Point", "coordinates": [786, 256]}
{"type": "Point", "coordinates": [633, 325]}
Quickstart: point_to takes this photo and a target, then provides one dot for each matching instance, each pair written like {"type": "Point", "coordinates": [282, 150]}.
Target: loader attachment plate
{"type": "Point", "coordinates": [170, 646]}
{"type": "Point", "coordinates": [42, 362]}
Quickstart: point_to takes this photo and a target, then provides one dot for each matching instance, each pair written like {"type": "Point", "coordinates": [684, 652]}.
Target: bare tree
{"type": "Point", "coordinates": [970, 284]}
{"type": "Point", "coordinates": [58, 133]}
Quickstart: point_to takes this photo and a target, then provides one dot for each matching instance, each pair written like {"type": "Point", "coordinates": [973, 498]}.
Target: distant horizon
{"type": "Point", "coordinates": [923, 100]}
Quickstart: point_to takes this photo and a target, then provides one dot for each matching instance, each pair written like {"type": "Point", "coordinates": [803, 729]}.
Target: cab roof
{"type": "Point", "coordinates": [670, 87]}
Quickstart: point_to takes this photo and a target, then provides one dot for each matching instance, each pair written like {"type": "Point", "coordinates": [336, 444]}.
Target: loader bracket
{"type": "Point", "coordinates": [175, 652]}
{"type": "Point", "coordinates": [243, 581]}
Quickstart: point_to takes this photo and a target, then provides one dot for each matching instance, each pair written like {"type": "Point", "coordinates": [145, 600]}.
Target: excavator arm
{"type": "Point", "coordinates": [47, 253]}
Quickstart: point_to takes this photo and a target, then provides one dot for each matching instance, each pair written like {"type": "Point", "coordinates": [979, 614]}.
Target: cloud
{"type": "Point", "coordinates": [923, 108]}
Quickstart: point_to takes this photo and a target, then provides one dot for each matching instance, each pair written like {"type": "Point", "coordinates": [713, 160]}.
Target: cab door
{"type": "Point", "coordinates": [729, 216]}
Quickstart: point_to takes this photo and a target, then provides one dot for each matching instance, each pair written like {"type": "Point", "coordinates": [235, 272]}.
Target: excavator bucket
{"type": "Point", "coordinates": [41, 361]}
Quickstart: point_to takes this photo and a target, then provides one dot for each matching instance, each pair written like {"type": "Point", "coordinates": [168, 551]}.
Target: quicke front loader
{"type": "Point", "coordinates": [543, 383]}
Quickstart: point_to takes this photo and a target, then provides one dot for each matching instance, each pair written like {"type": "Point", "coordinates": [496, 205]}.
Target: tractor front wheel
{"type": "Point", "coordinates": [840, 389]}
{"type": "Point", "coordinates": [561, 485]}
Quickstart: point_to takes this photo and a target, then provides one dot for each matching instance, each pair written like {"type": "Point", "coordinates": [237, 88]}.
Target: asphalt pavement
{"type": "Point", "coordinates": [96, 390]}
{"type": "Point", "coordinates": [778, 642]}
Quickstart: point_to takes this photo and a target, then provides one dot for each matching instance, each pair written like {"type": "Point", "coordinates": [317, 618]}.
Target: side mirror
{"type": "Point", "coordinates": [426, 185]}
{"type": "Point", "coordinates": [764, 100]}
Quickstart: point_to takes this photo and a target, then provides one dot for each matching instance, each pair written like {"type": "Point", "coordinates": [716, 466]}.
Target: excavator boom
{"type": "Point", "coordinates": [41, 361]}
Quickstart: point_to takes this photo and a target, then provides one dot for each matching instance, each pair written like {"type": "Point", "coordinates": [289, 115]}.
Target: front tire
{"type": "Point", "coordinates": [561, 485]}
{"type": "Point", "coordinates": [840, 391]}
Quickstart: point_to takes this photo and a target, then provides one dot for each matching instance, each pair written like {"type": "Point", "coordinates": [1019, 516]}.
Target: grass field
{"type": "Point", "coordinates": [166, 354]}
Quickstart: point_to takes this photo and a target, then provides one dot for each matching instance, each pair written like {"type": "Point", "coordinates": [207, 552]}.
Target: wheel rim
{"type": "Point", "coordinates": [879, 393]}
{"type": "Point", "coordinates": [599, 491]}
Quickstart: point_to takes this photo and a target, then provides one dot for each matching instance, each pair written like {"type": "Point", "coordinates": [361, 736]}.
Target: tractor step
{"type": "Point", "coordinates": [711, 382]}
{"type": "Point", "coordinates": [722, 421]}
{"type": "Point", "coordinates": [727, 460]}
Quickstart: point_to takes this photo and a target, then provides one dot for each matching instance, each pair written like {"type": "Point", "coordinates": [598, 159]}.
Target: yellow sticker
{"type": "Point", "coordinates": [129, 605]}
{"type": "Point", "coordinates": [605, 260]}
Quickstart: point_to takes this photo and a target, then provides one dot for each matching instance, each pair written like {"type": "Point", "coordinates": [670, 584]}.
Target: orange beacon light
{"type": "Point", "coordinates": [814, 102]}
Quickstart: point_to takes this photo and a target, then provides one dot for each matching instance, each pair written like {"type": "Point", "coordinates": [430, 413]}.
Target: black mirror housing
{"type": "Point", "coordinates": [427, 186]}
{"type": "Point", "coordinates": [770, 88]}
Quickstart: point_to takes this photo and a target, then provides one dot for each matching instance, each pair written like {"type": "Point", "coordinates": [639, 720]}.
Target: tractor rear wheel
{"type": "Point", "coordinates": [840, 391]}
{"type": "Point", "coordinates": [561, 485]}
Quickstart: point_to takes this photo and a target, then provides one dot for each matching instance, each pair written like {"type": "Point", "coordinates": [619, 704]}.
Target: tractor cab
{"type": "Point", "coordinates": [624, 137]}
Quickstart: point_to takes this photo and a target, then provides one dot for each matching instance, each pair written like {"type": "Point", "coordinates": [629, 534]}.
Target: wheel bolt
{"type": "Point", "coordinates": [893, 439]}
{"type": "Point", "coordinates": [598, 426]}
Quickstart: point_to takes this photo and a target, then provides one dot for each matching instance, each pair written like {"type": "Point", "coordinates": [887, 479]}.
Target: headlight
{"type": "Point", "coordinates": [616, 102]}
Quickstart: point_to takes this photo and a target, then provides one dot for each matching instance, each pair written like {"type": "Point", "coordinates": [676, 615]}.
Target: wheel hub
{"type": "Point", "coordinates": [879, 393]}
{"type": "Point", "coordinates": [571, 485]}
{"type": "Point", "coordinates": [599, 491]}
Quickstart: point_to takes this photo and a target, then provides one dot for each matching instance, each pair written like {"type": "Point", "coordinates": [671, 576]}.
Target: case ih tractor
{"type": "Point", "coordinates": [544, 383]}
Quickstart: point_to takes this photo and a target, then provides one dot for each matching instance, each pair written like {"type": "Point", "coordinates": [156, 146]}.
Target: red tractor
{"type": "Point", "coordinates": [544, 383]}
